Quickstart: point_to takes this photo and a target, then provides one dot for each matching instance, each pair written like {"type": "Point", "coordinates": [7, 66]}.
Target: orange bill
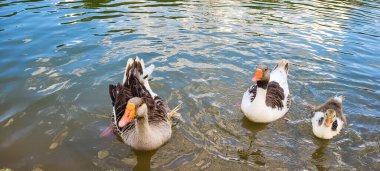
{"type": "Point", "coordinates": [258, 75]}
{"type": "Point", "coordinates": [328, 122]}
{"type": "Point", "coordinates": [128, 115]}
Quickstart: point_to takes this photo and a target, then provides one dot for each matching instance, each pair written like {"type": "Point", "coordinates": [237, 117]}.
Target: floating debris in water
{"type": "Point", "coordinates": [103, 154]}
{"type": "Point", "coordinates": [53, 145]}
{"type": "Point", "coordinates": [37, 169]}
{"type": "Point", "coordinates": [205, 166]}
{"type": "Point", "coordinates": [10, 121]}
{"type": "Point", "coordinates": [199, 163]}
{"type": "Point", "coordinates": [27, 40]}
{"type": "Point", "coordinates": [129, 161]}
{"type": "Point", "coordinates": [6, 169]}
{"type": "Point", "coordinates": [59, 138]}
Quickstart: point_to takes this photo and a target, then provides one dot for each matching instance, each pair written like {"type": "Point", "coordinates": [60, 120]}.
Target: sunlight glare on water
{"type": "Point", "coordinates": [57, 59]}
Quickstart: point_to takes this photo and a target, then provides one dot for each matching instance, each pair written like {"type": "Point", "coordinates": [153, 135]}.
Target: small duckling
{"type": "Point", "coordinates": [328, 119]}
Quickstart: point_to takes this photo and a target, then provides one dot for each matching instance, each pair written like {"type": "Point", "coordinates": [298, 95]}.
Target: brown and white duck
{"type": "Point", "coordinates": [140, 117]}
{"type": "Point", "coordinates": [328, 119]}
{"type": "Point", "coordinates": [268, 99]}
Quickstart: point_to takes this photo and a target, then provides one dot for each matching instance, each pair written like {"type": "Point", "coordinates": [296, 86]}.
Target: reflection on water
{"type": "Point", "coordinates": [256, 154]}
{"type": "Point", "coordinates": [143, 160]}
{"type": "Point", "coordinates": [319, 155]}
{"type": "Point", "coordinates": [58, 57]}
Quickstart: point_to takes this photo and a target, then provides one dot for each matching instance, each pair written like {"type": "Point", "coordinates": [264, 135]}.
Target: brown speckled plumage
{"type": "Point", "coordinates": [275, 95]}
{"type": "Point", "coordinates": [120, 94]}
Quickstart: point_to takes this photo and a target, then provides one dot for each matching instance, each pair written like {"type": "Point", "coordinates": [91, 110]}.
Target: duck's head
{"type": "Point", "coordinates": [262, 73]}
{"type": "Point", "coordinates": [135, 108]}
{"type": "Point", "coordinates": [330, 115]}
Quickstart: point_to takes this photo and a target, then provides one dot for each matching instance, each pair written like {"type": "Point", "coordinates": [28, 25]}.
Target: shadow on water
{"type": "Point", "coordinates": [256, 155]}
{"type": "Point", "coordinates": [143, 157]}
{"type": "Point", "coordinates": [253, 127]}
{"type": "Point", "coordinates": [94, 3]}
{"type": "Point", "coordinates": [319, 156]}
{"type": "Point", "coordinates": [143, 160]}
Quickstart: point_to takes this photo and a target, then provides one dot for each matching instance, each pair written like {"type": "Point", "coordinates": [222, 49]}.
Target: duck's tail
{"type": "Point", "coordinates": [283, 64]}
{"type": "Point", "coordinates": [135, 68]}
{"type": "Point", "coordinates": [338, 98]}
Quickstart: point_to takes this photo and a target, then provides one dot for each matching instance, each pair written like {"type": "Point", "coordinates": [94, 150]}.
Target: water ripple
{"type": "Point", "coordinates": [55, 74]}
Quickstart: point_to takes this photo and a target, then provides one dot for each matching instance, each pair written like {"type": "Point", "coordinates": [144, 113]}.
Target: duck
{"type": "Point", "coordinates": [328, 119]}
{"type": "Point", "coordinates": [140, 117]}
{"type": "Point", "coordinates": [268, 99]}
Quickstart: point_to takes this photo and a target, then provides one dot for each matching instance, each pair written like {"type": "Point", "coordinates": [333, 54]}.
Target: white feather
{"type": "Point", "coordinates": [339, 98]}
{"type": "Point", "coordinates": [129, 63]}
{"type": "Point", "coordinates": [148, 71]}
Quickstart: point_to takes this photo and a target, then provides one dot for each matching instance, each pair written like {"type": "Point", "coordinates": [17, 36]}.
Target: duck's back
{"type": "Point", "coordinates": [134, 86]}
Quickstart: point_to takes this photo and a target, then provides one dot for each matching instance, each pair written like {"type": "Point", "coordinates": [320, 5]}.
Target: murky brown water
{"type": "Point", "coordinates": [58, 57]}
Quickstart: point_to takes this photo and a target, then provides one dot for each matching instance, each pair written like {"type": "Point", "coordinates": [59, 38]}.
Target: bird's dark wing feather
{"type": "Point", "coordinates": [120, 94]}
{"type": "Point", "coordinates": [275, 95]}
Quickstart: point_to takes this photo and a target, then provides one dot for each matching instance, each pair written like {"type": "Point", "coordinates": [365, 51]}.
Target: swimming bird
{"type": "Point", "coordinates": [140, 117]}
{"type": "Point", "coordinates": [328, 119]}
{"type": "Point", "coordinates": [268, 99]}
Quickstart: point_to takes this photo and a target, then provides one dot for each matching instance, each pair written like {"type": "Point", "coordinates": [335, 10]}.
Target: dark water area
{"type": "Point", "coordinates": [57, 59]}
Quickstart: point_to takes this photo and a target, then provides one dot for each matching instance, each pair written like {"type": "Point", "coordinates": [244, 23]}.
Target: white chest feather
{"type": "Point", "coordinates": [149, 137]}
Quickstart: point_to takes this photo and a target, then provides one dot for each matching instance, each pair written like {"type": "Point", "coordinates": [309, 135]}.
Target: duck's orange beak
{"type": "Point", "coordinates": [258, 75]}
{"type": "Point", "coordinates": [128, 115]}
{"type": "Point", "coordinates": [328, 122]}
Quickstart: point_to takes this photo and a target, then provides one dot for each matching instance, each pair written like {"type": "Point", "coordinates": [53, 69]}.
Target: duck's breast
{"type": "Point", "coordinates": [257, 110]}
{"type": "Point", "coordinates": [158, 134]}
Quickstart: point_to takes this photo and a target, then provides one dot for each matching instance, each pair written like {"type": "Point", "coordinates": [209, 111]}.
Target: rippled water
{"type": "Point", "coordinates": [58, 57]}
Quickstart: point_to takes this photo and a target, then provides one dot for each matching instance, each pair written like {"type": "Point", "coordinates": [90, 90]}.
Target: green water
{"type": "Point", "coordinates": [58, 57]}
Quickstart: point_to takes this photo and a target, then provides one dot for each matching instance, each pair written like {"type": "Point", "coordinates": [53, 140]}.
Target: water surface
{"type": "Point", "coordinates": [58, 57]}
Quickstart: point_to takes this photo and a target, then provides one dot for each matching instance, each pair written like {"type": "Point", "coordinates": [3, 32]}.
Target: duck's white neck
{"type": "Point", "coordinates": [261, 93]}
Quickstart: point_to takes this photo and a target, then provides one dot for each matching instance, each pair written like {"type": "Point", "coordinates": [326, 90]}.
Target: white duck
{"type": "Point", "coordinates": [328, 119]}
{"type": "Point", "coordinates": [139, 117]}
{"type": "Point", "coordinates": [268, 99]}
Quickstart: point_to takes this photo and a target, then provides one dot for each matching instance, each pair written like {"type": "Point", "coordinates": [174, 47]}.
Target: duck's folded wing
{"type": "Point", "coordinates": [275, 95]}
